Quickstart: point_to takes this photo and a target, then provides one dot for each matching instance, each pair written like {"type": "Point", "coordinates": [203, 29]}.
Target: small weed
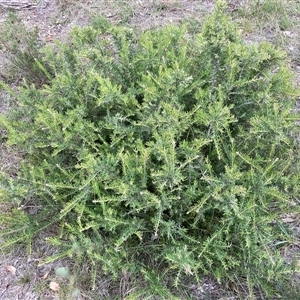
{"type": "Point", "coordinates": [41, 286]}
{"type": "Point", "coordinates": [285, 23]}
{"type": "Point", "coordinates": [269, 15]}
{"type": "Point", "coordinates": [25, 279]}
{"type": "Point", "coordinates": [162, 5]}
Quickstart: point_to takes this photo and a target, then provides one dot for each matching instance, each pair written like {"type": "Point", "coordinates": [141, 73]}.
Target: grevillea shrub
{"type": "Point", "coordinates": [164, 155]}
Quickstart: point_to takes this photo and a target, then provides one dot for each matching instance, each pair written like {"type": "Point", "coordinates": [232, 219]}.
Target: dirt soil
{"type": "Point", "coordinates": [22, 276]}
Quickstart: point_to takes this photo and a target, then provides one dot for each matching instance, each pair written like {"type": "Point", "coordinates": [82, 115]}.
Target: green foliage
{"type": "Point", "coordinates": [22, 48]}
{"type": "Point", "coordinates": [165, 154]}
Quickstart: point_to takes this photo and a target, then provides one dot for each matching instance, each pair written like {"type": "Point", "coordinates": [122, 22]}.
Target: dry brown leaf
{"type": "Point", "coordinates": [11, 269]}
{"type": "Point", "coordinates": [45, 275]}
{"type": "Point", "coordinates": [54, 286]}
{"type": "Point", "coordinates": [49, 38]}
{"type": "Point", "coordinates": [125, 274]}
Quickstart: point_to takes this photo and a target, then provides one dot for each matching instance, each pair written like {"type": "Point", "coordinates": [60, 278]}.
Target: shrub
{"type": "Point", "coordinates": [162, 155]}
{"type": "Point", "coordinates": [22, 51]}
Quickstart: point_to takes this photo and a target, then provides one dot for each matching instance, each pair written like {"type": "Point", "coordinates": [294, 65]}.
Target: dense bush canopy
{"type": "Point", "coordinates": [165, 154]}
